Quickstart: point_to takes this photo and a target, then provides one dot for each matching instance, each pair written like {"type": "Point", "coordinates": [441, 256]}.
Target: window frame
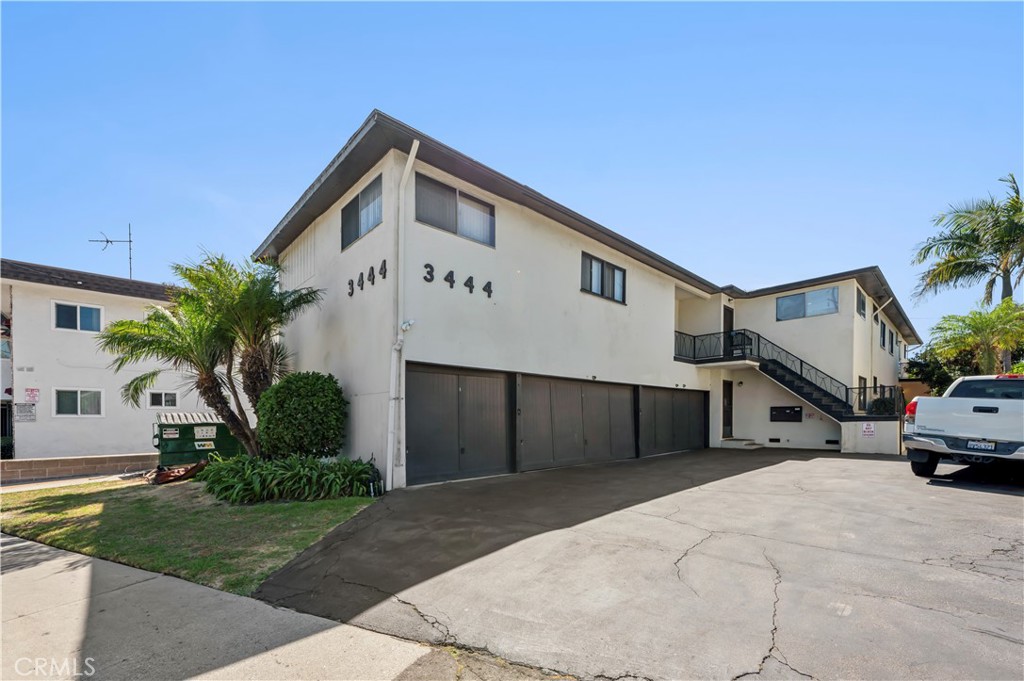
{"type": "Point", "coordinates": [881, 333]}
{"type": "Point", "coordinates": [862, 393]}
{"type": "Point", "coordinates": [163, 399]}
{"type": "Point", "coordinates": [803, 296]}
{"type": "Point", "coordinates": [608, 272]}
{"type": "Point", "coordinates": [862, 304]}
{"type": "Point", "coordinates": [79, 414]}
{"type": "Point", "coordinates": [78, 316]}
{"type": "Point", "coordinates": [458, 194]}
{"type": "Point", "coordinates": [892, 341]}
{"type": "Point", "coordinates": [359, 210]}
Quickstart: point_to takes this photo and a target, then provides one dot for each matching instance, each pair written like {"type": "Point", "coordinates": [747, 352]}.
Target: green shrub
{"type": "Point", "coordinates": [882, 406]}
{"type": "Point", "coordinates": [246, 480]}
{"type": "Point", "coordinates": [303, 414]}
{"type": "Point", "coordinates": [6, 447]}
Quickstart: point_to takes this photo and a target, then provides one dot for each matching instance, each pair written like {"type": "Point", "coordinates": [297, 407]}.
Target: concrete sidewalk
{"type": "Point", "coordinates": [70, 616]}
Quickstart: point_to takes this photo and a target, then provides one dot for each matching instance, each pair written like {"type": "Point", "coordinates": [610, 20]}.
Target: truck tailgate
{"type": "Point", "coordinates": [995, 419]}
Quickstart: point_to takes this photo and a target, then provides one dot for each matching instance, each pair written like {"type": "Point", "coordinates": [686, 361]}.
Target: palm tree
{"type": "Point", "coordinates": [222, 328]}
{"type": "Point", "coordinates": [986, 335]}
{"type": "Point", "coordinates": [980, 241]}
{"type": "Point", "coordinates": [186, 339]}
{"type": "Point", "coordinates": [253, 310]}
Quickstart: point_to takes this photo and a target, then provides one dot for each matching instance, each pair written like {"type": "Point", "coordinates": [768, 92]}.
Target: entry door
{"type": "Point", "coordinates": [726, 408]}
{"type": "Point", "coordinates": [728, 321]}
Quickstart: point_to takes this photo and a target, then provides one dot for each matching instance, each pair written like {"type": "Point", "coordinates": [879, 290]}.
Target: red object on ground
{"type": "Point", "coordinates": [160, 477]}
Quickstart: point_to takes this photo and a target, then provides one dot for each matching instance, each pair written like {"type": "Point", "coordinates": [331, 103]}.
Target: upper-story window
{"type": "Point", "coordinates": [881, 334]}
{"type": "Point", "coordinates": [892, 346]}
{"type": "Point", "coordinates": [447, 208]}
{"type": "Point", "coordinates": [362, 213]}
{"type": "Point", "coordinates": [862, 304]}
{"type": "Point", "coordinates": [899, 347]}
{"type": "Point", "coordinates": [77, 317]}
{"type": "Point", "coordinates": [810, 304]}
{"type": "Point", "coordinates": [603, 279]}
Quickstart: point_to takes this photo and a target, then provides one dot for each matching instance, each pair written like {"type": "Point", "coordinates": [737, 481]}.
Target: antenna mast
{"type": "Point", "coordinates": [107, 241]}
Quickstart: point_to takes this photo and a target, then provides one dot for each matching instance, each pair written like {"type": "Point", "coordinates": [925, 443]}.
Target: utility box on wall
{"type": "Point", "coordinates": [787, 414]}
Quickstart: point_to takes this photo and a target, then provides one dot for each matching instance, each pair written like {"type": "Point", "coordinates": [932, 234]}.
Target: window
{"type": "Point", "coordinates": [881, 335]}
{"type": "Point", "coordinates": [874, 384]}
{"type": "Point", "coordinates": [892, 345]}
{"type": "Point", "coordinates": [74, 402]}
{"type": "Point", "coordinates": [77, 317]}
{"type": "Point", "coordinates": [899, 347]}
{"type": "Point", "coordinates": [447, 208]}
{"type": "Point", "coordinates": [991, 389]}
{"type": "Point", "coordinates": [162, 399]}
{"type": "Point", "coordinates": [809, 304]}
{"type": "Point", "coordinates": [862, 393]}
{"type": "Point", "coordinates": [362, 213]}
{"type": "Point", "coordinates": [862, 304]}
{"type": "Point", "coordinates": [603, 279]}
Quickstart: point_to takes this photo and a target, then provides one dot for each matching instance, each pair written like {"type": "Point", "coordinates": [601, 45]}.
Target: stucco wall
{"type": "Point", "coordinates": [48, 358]}
{"type": "Point", "coordinates": [350, 336]}
{"type": "Point", "coordinates": [752, 409]}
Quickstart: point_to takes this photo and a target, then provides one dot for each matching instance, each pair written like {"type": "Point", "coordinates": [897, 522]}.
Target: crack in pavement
{"type": "Point", "coordinates": [679, 574]}
{"type": "Point", "coordinates": [773, 652]}
{"type": "Point", "coordinates": [622, 677]}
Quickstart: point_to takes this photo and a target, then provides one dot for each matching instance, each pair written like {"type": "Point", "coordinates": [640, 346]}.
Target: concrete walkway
{"type": "Point", "coordinates": [69, 616]}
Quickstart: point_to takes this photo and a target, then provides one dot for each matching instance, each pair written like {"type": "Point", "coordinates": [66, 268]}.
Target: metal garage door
{"type": "Point", "coordinates": [570, 422]}
{"type": "Point", "coordinates": [457, 424]}
{"type": "Point", "coordinates": [672, 420]}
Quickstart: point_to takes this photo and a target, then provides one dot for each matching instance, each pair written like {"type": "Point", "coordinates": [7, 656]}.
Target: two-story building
{"type": "Point", "coordinates": [60, 397]}
{"type": "Point", "coordinates": [478, 327]}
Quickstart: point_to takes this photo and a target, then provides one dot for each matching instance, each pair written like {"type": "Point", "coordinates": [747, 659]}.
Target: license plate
{"type": "Point", "coordinates": [981, 444]}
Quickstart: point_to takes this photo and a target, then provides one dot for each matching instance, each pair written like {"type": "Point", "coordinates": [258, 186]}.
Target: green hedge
{"type": "Point", "coordinates": [246, 480]}
{"type": "Point", "coordinates": [304, 413]}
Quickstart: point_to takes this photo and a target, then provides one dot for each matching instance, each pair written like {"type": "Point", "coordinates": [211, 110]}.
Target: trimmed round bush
{"type": "Point", "coordinates": [303, 414]}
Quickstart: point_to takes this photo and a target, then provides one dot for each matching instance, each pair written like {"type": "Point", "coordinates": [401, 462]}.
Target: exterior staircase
{"type": "Point", "coordinates": [826, 393]}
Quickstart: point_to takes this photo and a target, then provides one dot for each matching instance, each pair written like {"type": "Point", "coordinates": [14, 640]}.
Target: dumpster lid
{"type": "Point", "coordinates": [183, 418]}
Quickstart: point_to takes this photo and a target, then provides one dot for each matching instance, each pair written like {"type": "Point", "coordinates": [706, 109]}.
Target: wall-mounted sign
{"type": "Point", "coordinates": [170, 433]}
{"type": "Point", "coordinates": [867, 430]}
{"type": "Point", "coordinates": [24, 412]}
{"type": "Point", "coordinates": [206, 432]}
{"type": "Point", "coordinates": [31, 394]}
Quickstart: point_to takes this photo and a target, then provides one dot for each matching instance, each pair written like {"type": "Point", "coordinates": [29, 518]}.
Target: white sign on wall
{"type": "Point", "coordinates": [206, 432]}
{"type": "Point", "coordinates": [867, 430]}
{"type": "Point", "coordinates": [24, 412]}
{"type": "Point", "coordinates": [31, 394]}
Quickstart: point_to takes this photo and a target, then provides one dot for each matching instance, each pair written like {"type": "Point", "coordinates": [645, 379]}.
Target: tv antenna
{"type": "Point", "coordinates": [107, 241]}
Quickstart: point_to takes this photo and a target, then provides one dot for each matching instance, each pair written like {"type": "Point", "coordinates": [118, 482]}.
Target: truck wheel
{"type": "Point", "coordinates": [925, 469]}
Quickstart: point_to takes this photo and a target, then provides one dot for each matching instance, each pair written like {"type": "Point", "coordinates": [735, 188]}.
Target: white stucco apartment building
{"type": "Point", "coordinates": [60, 396]}
{"type": "Point", "coordinates": [479, 327]}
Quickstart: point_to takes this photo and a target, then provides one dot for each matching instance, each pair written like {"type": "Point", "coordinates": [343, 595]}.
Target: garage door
{"type": "Point", "coordinates": [457, 424]}
{"type": "Point", "coordinates": [570, 422]}
{"type": "Point", "coordinates": [672, 420]}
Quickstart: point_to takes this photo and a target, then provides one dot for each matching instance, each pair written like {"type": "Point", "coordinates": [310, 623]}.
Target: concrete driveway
{"type": "Point", "coordinates": [713, 564]}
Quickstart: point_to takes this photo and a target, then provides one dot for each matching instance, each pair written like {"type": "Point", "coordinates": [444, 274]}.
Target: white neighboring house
{"type": "Point", "coordinates": [479, 327]}
{"type": "Point", "coordinates": [60, 396]}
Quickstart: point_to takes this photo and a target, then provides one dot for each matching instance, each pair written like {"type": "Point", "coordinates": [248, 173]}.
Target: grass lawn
{"type": "Point", "coordinates": [176, 529]}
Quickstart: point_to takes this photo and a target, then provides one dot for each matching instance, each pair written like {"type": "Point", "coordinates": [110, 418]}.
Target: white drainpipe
{"type": "Point", "coordinates": [401, 326]}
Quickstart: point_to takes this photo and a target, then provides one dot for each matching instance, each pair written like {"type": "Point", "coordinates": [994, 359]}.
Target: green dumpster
{"type": "Point", "coordinates": [187, 438]}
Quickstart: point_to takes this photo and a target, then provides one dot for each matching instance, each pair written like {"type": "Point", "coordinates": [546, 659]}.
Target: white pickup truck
{"type": "Point", "coordinates": [979, 420]}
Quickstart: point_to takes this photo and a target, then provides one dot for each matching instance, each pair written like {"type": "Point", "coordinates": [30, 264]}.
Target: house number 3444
{"type": "Point", "coordinates": [449, 279]}
{"type": "Point", "coordinates": [370, 276]}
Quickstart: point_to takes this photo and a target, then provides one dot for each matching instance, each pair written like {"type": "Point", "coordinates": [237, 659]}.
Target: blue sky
{"type": "Point", "coordinates": [751, 143]}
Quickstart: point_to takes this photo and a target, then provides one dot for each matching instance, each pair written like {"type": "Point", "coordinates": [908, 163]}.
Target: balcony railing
{"type": "Point", "coordinates": [883, 400]}
{"type": "Point", "coordinates": [745, 344]}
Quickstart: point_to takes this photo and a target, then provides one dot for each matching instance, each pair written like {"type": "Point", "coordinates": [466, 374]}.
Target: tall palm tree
{"type": "Point", "coordinates": [984, 334]}
{"type": "Point", "coordinates": [186, 339]}
{"type": "Point", "coordinates": [979, 241]}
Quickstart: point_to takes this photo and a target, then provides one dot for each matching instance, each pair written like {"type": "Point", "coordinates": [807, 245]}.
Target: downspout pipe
{"type": "Point", "coordinates": [401, 325]}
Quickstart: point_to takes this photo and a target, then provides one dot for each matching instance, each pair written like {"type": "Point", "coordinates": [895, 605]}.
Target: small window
{"type": "Point", "coordinates": [881, 334]}
{"type": "Point", "coordinates": [362, 213]}
{"type": "Point", "coordinates": [603, 279]}
{"type": "Point", "coordinates": [78, 403]}
{"type": "Point", "coordinates": [162, 399]}
{"type": "Point", "coordinates": [874, 384]}
{"type": "Point", "coordinates": [77, 317]}
{"type": "Point", "coordinates": [862, 304]}
{"type": "Point", "coordinates": [892, 345]}
{"type": "Point", "coordinates": [862, 393]}
{"type": "Point", "coordinates": [444, 207]}
{"type": "Point", "coordinates": [810, 304]}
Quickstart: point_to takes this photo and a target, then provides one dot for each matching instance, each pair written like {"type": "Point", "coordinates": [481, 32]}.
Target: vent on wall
{"type": "Point", "coordinates": [831, 442]}
{"type": "Point", "coordinates": [774, 439]}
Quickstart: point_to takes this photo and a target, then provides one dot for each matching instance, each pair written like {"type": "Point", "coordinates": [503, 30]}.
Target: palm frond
{"type": "Point", "coordinates": [133, 391]}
